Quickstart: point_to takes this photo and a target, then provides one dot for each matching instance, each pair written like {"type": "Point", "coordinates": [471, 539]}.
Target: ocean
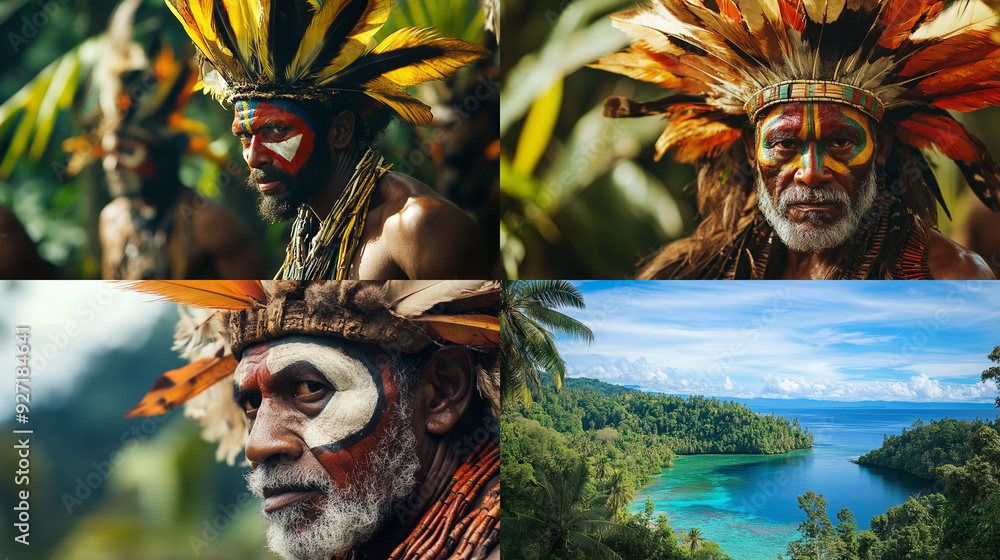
{"type": "Point", "coordinates": [747, 503]}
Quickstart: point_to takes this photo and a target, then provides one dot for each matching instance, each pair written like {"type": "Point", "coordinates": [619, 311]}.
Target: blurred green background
{"type": "Point", "coordinates": [581, 194]}
{"type": "Point", "coordinates": [103, 487]}
{"type": "Point", "coordinates": [61, 217]}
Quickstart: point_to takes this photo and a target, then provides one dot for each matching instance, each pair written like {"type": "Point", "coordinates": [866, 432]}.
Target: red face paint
{"type": "Point", "coordinates": [277, 132]}
{"type": "Point", "coordinates": [330, 397]}
{"type": "Point", "coordinates": [814, 144]}
{"type": "Point", "coordinates": [340, 463]}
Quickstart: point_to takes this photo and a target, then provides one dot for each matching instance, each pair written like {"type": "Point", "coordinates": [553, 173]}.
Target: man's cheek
{"type": "Point", "coordinates": [291, 154]}
{"type": "Point", "coordinates": [343, 462]}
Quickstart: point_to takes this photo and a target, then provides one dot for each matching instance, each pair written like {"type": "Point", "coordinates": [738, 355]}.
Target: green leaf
{"type": "Point", "coordinates": [537, 129]}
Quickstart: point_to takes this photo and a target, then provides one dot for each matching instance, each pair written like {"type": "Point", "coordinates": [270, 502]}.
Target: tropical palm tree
{"type": "Point", "coordinates": [619, 493]}
{"type": "Point", "coordinates": [565, 517]}
{"type": "Point", "coordinates": [601, 470]}
{"type": "Point", "coordinates": [527, 347]}
{"type": "Point", "coordinates": [693, 539]}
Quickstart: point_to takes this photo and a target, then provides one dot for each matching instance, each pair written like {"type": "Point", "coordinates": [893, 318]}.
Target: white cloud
{"type": "Point", "coordinates": [918, 388]}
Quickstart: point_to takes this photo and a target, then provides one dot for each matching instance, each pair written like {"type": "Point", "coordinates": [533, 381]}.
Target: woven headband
{"type": "Point", "coordinates": [354, 313]}
{"type": "Point", "coordinates": [798, 91]}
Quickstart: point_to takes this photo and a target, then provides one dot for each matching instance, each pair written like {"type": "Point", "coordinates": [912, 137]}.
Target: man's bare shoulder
{"type": "Point", "coordinates": [948, 260]}
{"type": "Point", "coordinates": [432, 238]}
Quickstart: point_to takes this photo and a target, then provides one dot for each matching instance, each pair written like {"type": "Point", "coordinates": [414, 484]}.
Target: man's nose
{"type": "Point", "coordinates": [256, 155]}
{"type": "Point", "coordinates": [813, 172]}
{"type": "Point", "coordinates": [271, 440]}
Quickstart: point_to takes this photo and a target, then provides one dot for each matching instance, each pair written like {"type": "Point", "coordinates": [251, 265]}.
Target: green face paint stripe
{"type": "Point", "coordinates": [862, 133]}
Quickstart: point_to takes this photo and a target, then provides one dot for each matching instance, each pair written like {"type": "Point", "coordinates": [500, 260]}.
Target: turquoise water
{"type": "Point", "coordinates": [748, 504]}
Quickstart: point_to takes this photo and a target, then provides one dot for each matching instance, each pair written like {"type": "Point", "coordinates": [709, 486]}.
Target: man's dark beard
{"type": "Point", "coordinates": [300, 188]}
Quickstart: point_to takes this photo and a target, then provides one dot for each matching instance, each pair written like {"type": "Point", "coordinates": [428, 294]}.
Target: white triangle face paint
{"type": "Point", "coordinates": [286, 148]}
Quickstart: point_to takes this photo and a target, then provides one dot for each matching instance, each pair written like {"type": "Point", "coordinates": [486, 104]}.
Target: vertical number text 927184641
{"type": "Point", "coordinates": [22, 398]}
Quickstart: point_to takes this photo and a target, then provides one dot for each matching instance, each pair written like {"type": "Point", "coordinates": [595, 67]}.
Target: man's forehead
{"type": "Point", "coordinates": [325, 354]}
{"type": "Point", "coordinates": [280, 110]}
{"type": "Point", "coordinates": [796, 114]}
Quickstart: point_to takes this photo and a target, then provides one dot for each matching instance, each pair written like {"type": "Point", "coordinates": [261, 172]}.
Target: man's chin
{"type": "Point", "coordinates": [317, 531]}
{"type": "Point", "coordinates": [811, 238]}
{"type": "Point", "coordinates": [277, 209]}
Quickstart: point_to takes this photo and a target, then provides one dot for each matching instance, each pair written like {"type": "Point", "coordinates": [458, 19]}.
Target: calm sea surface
{"type": "Point", "coordinates": [747, 503]}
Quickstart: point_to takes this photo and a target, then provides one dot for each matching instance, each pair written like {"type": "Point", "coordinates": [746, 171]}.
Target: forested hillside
{"type": "Point", "coordinates": [573, 460]}
{"type": "Point", "coordinates": [925, 447]}
{"type": "Point", "coordinates": [635, 433]}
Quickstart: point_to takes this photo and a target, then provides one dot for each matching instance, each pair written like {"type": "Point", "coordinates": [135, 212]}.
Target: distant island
{"type": "Point", "coordinates": [924, 448]}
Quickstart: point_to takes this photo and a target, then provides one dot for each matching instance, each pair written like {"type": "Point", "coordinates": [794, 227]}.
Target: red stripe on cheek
{"type": "Point", "coordinates": [342, 462]}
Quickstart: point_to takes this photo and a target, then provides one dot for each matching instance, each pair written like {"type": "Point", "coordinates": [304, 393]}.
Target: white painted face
{"type": "Point", "coordinates": [284, 366]}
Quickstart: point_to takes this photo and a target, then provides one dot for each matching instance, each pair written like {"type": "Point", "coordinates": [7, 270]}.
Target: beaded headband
{"type": "Point", "coordinates": [795, 91]}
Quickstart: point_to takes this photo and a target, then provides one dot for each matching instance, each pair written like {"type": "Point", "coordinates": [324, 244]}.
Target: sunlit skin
{"type": "Point", "coordinates": [814, 145]}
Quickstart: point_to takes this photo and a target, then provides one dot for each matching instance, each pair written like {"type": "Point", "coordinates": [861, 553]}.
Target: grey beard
{"type": "Point", "coordinates": [349, 516]}
{"type": "Point", "coordinates": [805, 239]}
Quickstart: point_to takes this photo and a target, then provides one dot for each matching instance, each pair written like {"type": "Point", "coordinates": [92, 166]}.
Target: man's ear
{"type": "Point", "coordinates": [883, 144]}
{"type": "Point", "coordinates": [448, 377]}
{"type": "Point", "coordinates": [341, 130]}
{"type": "Point", "coordinates": [750, 142]}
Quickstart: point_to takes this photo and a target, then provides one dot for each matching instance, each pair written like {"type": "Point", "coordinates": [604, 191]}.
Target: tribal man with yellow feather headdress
{"type": "Point", "coordinates": [311, 91]}
{"type": "Point", "coordinates": [807, 120]}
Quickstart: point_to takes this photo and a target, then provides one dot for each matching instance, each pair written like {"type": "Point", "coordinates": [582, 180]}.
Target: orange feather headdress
{"type": "Point", "coordinates": [317, 49]}
{"type": "Point", "coordinates": [903, 62]}
{"type": "Point", "coordinates": [229, 316]}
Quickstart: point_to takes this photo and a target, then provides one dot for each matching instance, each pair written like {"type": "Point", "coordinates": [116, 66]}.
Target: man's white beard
{"type": "Point", "coordinates": [348, 516]}
{"type": "Point", "coordinates": [802, 237]}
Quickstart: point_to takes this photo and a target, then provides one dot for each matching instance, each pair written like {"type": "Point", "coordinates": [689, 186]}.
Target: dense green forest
{"type": "Point", "coordinates": [573, 460]}
{"type": "Point", "coordinates": [963, 526]}
{"type": "Point", "coordinates": [926, 447]}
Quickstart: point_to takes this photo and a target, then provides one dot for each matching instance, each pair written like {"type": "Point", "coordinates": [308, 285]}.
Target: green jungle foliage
{"type": "Point", "coordinates": [642, 432]}
{"type": "Point", "coordinates": [573, 460]}
{"type": "Point", "coordinates": [963, 526]}
{"type": "Point", "coordinates": [926, 447]}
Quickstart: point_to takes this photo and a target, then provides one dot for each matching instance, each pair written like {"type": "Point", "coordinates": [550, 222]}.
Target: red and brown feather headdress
{"type": "Point", "coordinates": [905, 63]}
{"type": "Point", "coordinates": [228, 316]}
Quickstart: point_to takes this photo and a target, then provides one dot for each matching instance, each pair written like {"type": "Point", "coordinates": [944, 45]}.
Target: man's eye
{"type": "Point", "coordinates": [308, 387]}
{"type": "Point", "coordinates": [841, 143]}
{"type": "Point", "coordinates": [250, 404]}
{"type": "Point", "coordinates": [786, 144]}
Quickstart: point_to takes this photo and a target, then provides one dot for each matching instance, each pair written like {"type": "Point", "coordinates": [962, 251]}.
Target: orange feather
{"type": "Point", "coordinates": [205, 294]}
{"type": "Point", "coordinates": [476, 330]}
{"type": "Point", "coordinates": [901, 17]}
{"type": "Point", "coordinates": [176, 386]}
{"type": "Point", "coordinates": [928, 131]}
{"type": "Point", "coordinates": [697, 131]}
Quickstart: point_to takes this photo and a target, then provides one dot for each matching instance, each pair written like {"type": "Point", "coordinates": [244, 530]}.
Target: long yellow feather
{"type": "Point", "coordinates": [373, 18]}
{"type": "Point", "coordinates": [457, 53]}
{"type": "Point", "coordinates": [390, 93]}
{"type": "Point", "coordinates": [205, 294]}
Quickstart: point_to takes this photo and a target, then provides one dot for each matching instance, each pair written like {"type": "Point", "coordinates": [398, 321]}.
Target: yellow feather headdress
{"type": "Point", "coordinates": [903, 62]}
{"type": "Point", "coordinates": [227, 316]}
{"type": "Point", "coordinates": [316, 50]}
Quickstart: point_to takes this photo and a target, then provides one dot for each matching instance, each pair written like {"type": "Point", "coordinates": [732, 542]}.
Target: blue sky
{"type": "Point", "coordinates": [845, 341]}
